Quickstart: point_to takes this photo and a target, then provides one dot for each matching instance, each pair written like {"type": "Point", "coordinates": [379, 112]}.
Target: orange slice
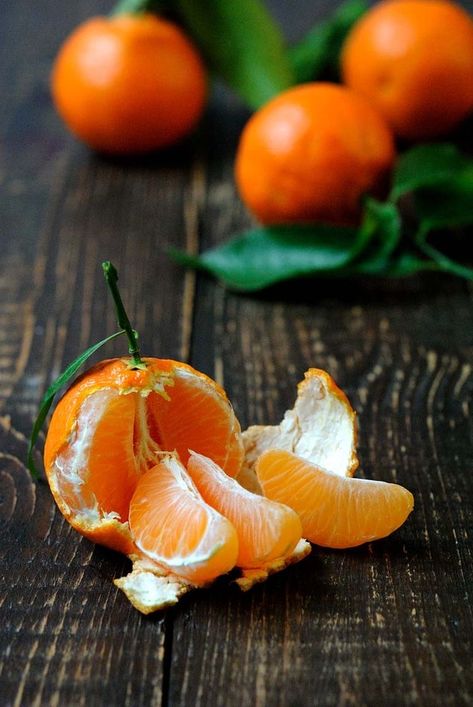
{"type": "Point", "coordinates": [321, 428]}
{"type": "Point", "coordinates": [267, 531]}
{"type": "Point", "coordinates": [173, 526]}
{"type": "Point", "coordinates": [335, 511]}
{"type": "Point", "coordinates": [109, 427]}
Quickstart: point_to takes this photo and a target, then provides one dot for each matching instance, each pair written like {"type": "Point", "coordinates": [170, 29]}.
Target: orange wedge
{"type": "Point", "coordinates": [267, 531]}
{"type": "Point", "coordinates": [109, 427]}
{"type": "Point", "coordinates": [335, 511]}
{"type": "Point", "coordinates": [321, 428]}
{"type": "Point", "coordinates": [173, 526]}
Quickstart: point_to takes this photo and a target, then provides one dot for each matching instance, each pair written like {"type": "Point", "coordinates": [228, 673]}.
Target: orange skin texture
{"type": "Point", "coordinates": [413, 59]}
{"type": "Point", "coordinates": [112, 471]}
{"type": "Point", "coordinates": [129, 84]}
{"type": "Point", "coordinates": [310, 154]}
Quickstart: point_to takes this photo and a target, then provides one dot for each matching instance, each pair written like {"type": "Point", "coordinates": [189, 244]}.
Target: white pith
{"type": "Point", "coordinates": [321, 428]}
{"type": "Point", "coordinates": [71, 465]}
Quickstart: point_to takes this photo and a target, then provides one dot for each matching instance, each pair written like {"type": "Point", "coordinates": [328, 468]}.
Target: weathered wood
{"type": "Point", "coordinates": [67, 635]}
{"type": "Point", "coordinates": [387, 624]}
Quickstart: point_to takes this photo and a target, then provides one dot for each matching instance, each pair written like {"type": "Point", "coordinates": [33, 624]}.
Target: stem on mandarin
{"type": "Point", "coordinates": [137, 7]}
{"type": "Point", "coordinates": [111, 278]}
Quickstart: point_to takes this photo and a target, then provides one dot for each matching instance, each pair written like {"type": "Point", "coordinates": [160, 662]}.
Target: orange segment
{"type": "Point", "coordinates": [266, 530]}
{"type": "Point", "coordinates": [335, 511]}
{"type": "Point", "coordinates": [197, 416]}
{"type": "Point", "coordinates": [171, 524]}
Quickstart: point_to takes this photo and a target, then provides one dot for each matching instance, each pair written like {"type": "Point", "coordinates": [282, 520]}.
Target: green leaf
{"type": "Point", "coordinates": [428, 166]}
{"type": "Point", "coordinates": [267, 255]}
{"type": "Point", "coordinates": [404, 264]}
{"type": "Point", "coordinates": [385, 221]}
{"type": "Point", "coordinates": [241, 43]}
{"type": "Point", "coordinates": [318, 52]}
{"type": "Point", "coordinates": [442, 261]}
{"type": "Point", "coordinates": [448, 206]}
{"type": "Point", "coordinates": [48, 398]}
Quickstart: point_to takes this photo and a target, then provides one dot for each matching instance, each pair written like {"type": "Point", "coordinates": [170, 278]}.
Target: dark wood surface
{"type": "Point", "coordinates": [387, 624]}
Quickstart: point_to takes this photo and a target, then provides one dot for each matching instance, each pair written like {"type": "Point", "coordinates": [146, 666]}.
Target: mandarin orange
{"type": "Point", "coordinates": [129, 83]}
{"type": "Point", "coordinates": [413, 60]}
{"type": "Point", "coordinates": [311, 153]}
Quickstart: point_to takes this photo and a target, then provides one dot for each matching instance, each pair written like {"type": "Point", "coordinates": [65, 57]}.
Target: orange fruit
{"type": "Point", "coordinates": [129, 83]}
{"type": "Point", "coordinates": [310, 154]}
{"type": "Point", "coordinates": [173, 526]}
{"type": "Point", "coordinates": [335, 511]}
{"type": "Point", "coordinates": [266, 531]}
{"type": "Point", "coordinates": [109, 426]}
{"type": "Point", "coordinates": [413, 60]}
{"type": "Point", "coordinates": [321, 427]}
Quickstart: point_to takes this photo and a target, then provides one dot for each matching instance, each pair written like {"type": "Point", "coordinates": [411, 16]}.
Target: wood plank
{"type": "Point", "coordinates": [388, 623]}
{"type": "Point", "coordinates": [67, 635]}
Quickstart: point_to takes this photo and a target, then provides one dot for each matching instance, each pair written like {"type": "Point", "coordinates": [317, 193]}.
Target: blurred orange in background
{"type": "Point", "coordinates": [311, 153]}
{"type": "Point", "coordinates": [129, 83]}
{"type": "Point", "coordinates": [413, 60]}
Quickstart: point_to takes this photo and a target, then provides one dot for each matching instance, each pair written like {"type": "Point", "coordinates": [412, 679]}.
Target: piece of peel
{"type": "Point", "coordinates": [150, 592]}
{"type": "Point", "coordinates": [321, 428]}
{"type": "Point", "coordinates": [250, 577]}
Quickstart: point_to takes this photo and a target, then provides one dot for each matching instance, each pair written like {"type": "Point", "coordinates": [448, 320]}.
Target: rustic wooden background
{"type": "Point", "coordinates": [387, 624]}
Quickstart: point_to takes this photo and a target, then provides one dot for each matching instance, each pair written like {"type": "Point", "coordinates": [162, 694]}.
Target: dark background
{"type": "Point", "coordinates": [386, 624]}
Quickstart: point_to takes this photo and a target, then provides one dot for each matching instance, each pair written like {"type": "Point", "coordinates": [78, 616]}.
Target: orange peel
{"type": "Point", "coordinates": [321, 427]}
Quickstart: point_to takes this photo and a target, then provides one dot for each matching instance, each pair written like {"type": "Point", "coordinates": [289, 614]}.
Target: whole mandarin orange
{"type": "Point", "coordinates": [129, 84]}
{"type": "Point", "coordinates": [413, 59]}
{"type": "Point", "coordinates": [311, 153]}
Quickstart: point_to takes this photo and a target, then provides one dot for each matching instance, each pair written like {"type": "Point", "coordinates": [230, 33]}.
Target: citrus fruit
{"type": "Point", "coordinates": [267, 531]}
{"type": "Point", "coordinates": [173, 526]}
{"type": "Point", "coordinates": [129, 83]}
{"type": "Point", "coordinates": [413, 60]}
{"type": "Point", "coordinates": [335, 511]}
{"type": "Point", "coordinates": [110, 425]}
{"type": "Point", "coordinates": [321, 428]}
{"type": "Point", "coordinates": [310, 154]}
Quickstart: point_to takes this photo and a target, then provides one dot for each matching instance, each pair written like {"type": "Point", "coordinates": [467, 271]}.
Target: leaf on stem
{"type": "Point", "coordinates": [54, 388]}
{"type": "Point", "coordinates": [318, 52]}
{"type": "Point", "coordinates": [241, 43]}
{"type": "Point", "coordinates": [428, 166]}
{"type": "Point", "coordinates": [269, 254]}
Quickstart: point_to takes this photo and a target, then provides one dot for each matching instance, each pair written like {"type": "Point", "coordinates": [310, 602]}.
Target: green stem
{"type": "Point", "coordinates": [111, 277]}
{"type": "Point", "coordinates": [137, 7]}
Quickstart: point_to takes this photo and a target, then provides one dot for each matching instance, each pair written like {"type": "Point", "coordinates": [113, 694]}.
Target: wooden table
{"type": "Point", "coordinates": [387, 624]}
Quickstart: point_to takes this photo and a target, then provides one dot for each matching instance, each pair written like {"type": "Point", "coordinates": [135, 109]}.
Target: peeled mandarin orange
{"type": "Point", "coordinates": [321, 428]}
{"type": "Point", "coordinates": [109, 427]}
{"type": "Point", "coordinates": [266, 530]}
{"type": "Point", "coordinates": [335, 511]}
{"type": "Point", "coordinates": [173, 526]}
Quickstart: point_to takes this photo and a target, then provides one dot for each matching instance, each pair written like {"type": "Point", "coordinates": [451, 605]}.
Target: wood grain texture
{"type": "Point", "coordinates": [386, 624]}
